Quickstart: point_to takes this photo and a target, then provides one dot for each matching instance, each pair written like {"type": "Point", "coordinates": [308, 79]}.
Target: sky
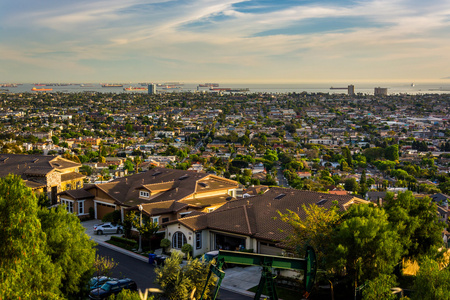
{"type": "Point", "coordinates": [262, 41]}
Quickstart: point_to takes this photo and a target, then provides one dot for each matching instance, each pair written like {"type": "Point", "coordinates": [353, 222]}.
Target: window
{"type": "Point", "coordinates": [164, 220]}
{"type": "Point", "coordinates": [178, 240]}
{"type": "Point", "coordinates": [144, 194]}
{"type": "Point", "coordinates": [68, 204]}
{"type": "Point", "coordinates": [80, 207]}
{"type": "Point", "coordinates": [198, 240]}
{"type": "Point", "coordinates": [155, 220]}
{"type": "Point", "coordinates": [68, 186]}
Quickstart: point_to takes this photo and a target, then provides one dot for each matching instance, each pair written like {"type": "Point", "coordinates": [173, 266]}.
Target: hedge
{"type": "Point", "coordinates": [124, 240]}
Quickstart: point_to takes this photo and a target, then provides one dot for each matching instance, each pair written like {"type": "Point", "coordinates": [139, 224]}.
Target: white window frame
{"type": "Point", "coordinates": [69, 205]}
{"type": "Point", "coordinates": [198, 240]}
{"type": "Point", "coordinates": [210, 209]}
{"type": "Point", "coordinates": [175, 240]}
{"type": "Point", "coordinates": [81, 205]}
{"type": "Point", "coordinates": [144, 194]}
{"type": "Point", "coordinates": [155, 220]}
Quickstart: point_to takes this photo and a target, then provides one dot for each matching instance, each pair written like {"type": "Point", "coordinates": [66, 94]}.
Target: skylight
{"type": "Point", "coordinates": [322, 202]}
{"type": "Point", "coordinates": [279, 196]}
{"type": "Point", "coordinates": [183, 177]}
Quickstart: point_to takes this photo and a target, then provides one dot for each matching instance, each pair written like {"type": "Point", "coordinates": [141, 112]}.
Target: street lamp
{"type": "Point", "coordinates": [140, 224]}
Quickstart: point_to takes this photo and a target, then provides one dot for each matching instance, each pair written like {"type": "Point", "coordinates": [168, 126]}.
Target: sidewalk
{"type": "Point", "coordinates": [237, 279]}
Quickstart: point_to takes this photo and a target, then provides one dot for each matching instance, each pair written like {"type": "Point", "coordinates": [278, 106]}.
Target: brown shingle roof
{"type": "Point", "coordinates": [78, 194]}
{"type": "Point", "coordinates": [71, 176]}
{"type": "Point", "coordinates": [125, 190]}
{"type": "Point", "coordinates": [258, 216]}
{"type": "Point", "coordinates": [32, 164]}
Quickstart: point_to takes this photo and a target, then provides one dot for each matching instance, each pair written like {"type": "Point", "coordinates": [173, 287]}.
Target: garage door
{"type": "Point", "coordinates": [265, 248]}
{"type": "Point", "coordinates": [103, 209]}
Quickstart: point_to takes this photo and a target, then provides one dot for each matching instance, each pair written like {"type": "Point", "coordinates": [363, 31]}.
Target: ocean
{"type": "Point", "coordinates": [366, 88]}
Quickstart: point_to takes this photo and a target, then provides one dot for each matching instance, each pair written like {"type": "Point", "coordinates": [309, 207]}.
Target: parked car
{"type": "Point", "coordinates": [112, 287]}
{"type": "Point", "coordinates": [96, 282]}
{"type": "Point", "coordinates": [208, 256]}
{"type": "Point", "coordinates": [105, 228]}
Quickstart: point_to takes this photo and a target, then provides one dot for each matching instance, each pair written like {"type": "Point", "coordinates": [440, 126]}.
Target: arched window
{"type": "Point", "coordinates": [178, 240]}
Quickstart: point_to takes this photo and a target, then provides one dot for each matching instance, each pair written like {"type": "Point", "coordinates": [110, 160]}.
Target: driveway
{"type": "Point", "coordinates": [89, 225]}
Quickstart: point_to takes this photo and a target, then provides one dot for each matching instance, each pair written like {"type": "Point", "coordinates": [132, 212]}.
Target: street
{"type": "Point", "coordinates": [143, 274]}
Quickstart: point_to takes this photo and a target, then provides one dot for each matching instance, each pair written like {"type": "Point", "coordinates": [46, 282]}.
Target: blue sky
{"type": "Point", "coordinates": [224, 40]}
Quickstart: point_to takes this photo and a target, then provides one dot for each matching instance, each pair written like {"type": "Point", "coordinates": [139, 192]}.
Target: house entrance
{"type": "Point", "coordinates": [53, 197]}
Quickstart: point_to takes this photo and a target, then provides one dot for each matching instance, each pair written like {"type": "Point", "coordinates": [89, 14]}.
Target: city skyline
{"type": "Point", "coordinates": [228, 41]}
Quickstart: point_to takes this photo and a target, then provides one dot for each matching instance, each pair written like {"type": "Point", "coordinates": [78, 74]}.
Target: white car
{"type": "Point", "coordinates": [105, 228]}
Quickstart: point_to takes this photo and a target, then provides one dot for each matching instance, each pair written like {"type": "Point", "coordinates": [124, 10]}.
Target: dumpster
{"type": "Point", "coordinates": [151, 258]}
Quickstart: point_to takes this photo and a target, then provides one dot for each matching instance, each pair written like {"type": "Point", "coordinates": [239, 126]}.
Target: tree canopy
{"type": "Point", "coordinates": [45, 253]}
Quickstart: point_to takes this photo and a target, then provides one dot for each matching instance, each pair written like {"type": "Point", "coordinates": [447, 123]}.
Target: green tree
{"type": "Point", "coordinates": [380, 288]}
{"type": "Point", "coordinates": [178, 282]}
{"type": "Point", "coordinates": [313, 230]}
{"type": "Point", "coordinates": [103, 266]}
{"type": "Point", "coordinates": [350, 184]}
{"type": "Point", "coordinates": [391, 152]}
{"type": "Point", "coordinates": [70, 249]}
{"type": "Point", "coordinates": [364, 245]}
{"type": "Point", "coordinates": [431, 282]}
{"type": "Point", "coordinates": [417, 222]}
{"type": "Point", "coordinates": [271, 155]}
{"type": "Point", "coordinates": [148, 228]}
{"type": "Point", "coordinates": [55, 140]}
{"type": "Point", "coordinates": [26, 270]}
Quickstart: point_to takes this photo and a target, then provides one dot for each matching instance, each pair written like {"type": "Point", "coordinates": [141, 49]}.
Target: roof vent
{"type": "Point", "coordinates": [3, 159]}
{"type": "Point", "coordinates": [203, 184]}
{"type": "Point", "coordinates": [322, 202]}
{"type": "Point", "coordinates": [35, 160]}
{"type": "Point", "coordinates": [228, 198]}
{"type": "Point", "coordinates": [279, 196]}
{"type": "Point", "coordinates": [156, 173]}
{"type": "Point", "coordinates": [184, 177]}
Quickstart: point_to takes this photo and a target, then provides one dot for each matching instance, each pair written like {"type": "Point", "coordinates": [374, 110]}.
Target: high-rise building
{"type": "Point", "coordinates": [152, 89]}
{"type": "Point", "coordinates": [351, 90]}
{"type": "Point", "coordinates": [379, 91]}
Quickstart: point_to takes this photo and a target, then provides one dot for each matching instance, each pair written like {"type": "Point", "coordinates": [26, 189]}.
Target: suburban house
{"type": "Point", "coordinates": [165, 194]}
{"type": "Point", "coordinates": [43, 173]}
{"type": "Point", "coordinates": [250, 223]}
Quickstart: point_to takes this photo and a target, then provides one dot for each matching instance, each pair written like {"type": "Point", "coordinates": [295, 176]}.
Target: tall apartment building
{"type": "Point", "coordinates": [152, 89]}
{"type": "Point", "coordinates": [379, 91]}
{"type": "Point", "coordinates": [351, 90]}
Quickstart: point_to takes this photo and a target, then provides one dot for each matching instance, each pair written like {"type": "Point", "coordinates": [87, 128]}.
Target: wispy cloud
{"type": "Point", "coordinates": [261, 36]}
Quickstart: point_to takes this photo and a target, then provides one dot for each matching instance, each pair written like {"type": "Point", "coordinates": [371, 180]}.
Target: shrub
{"type": "Point", "coordinates": [113, 217]}
{"type": "Point", "coordinates": [187, 249]}
{"type": "Point", "coordinates": [125, 241]}
{"type": "Point", "coordinates": [91, 213]}
{"type": "Point", "coordinates": [165, 243]}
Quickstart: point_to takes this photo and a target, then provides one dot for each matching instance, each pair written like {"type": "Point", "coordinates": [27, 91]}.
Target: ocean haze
{"type": "Point", "coordinates": [366, 88]}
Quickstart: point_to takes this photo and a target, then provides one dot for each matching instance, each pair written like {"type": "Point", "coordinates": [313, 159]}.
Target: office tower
{"type": "Point", "coordinates": [152, 89]}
